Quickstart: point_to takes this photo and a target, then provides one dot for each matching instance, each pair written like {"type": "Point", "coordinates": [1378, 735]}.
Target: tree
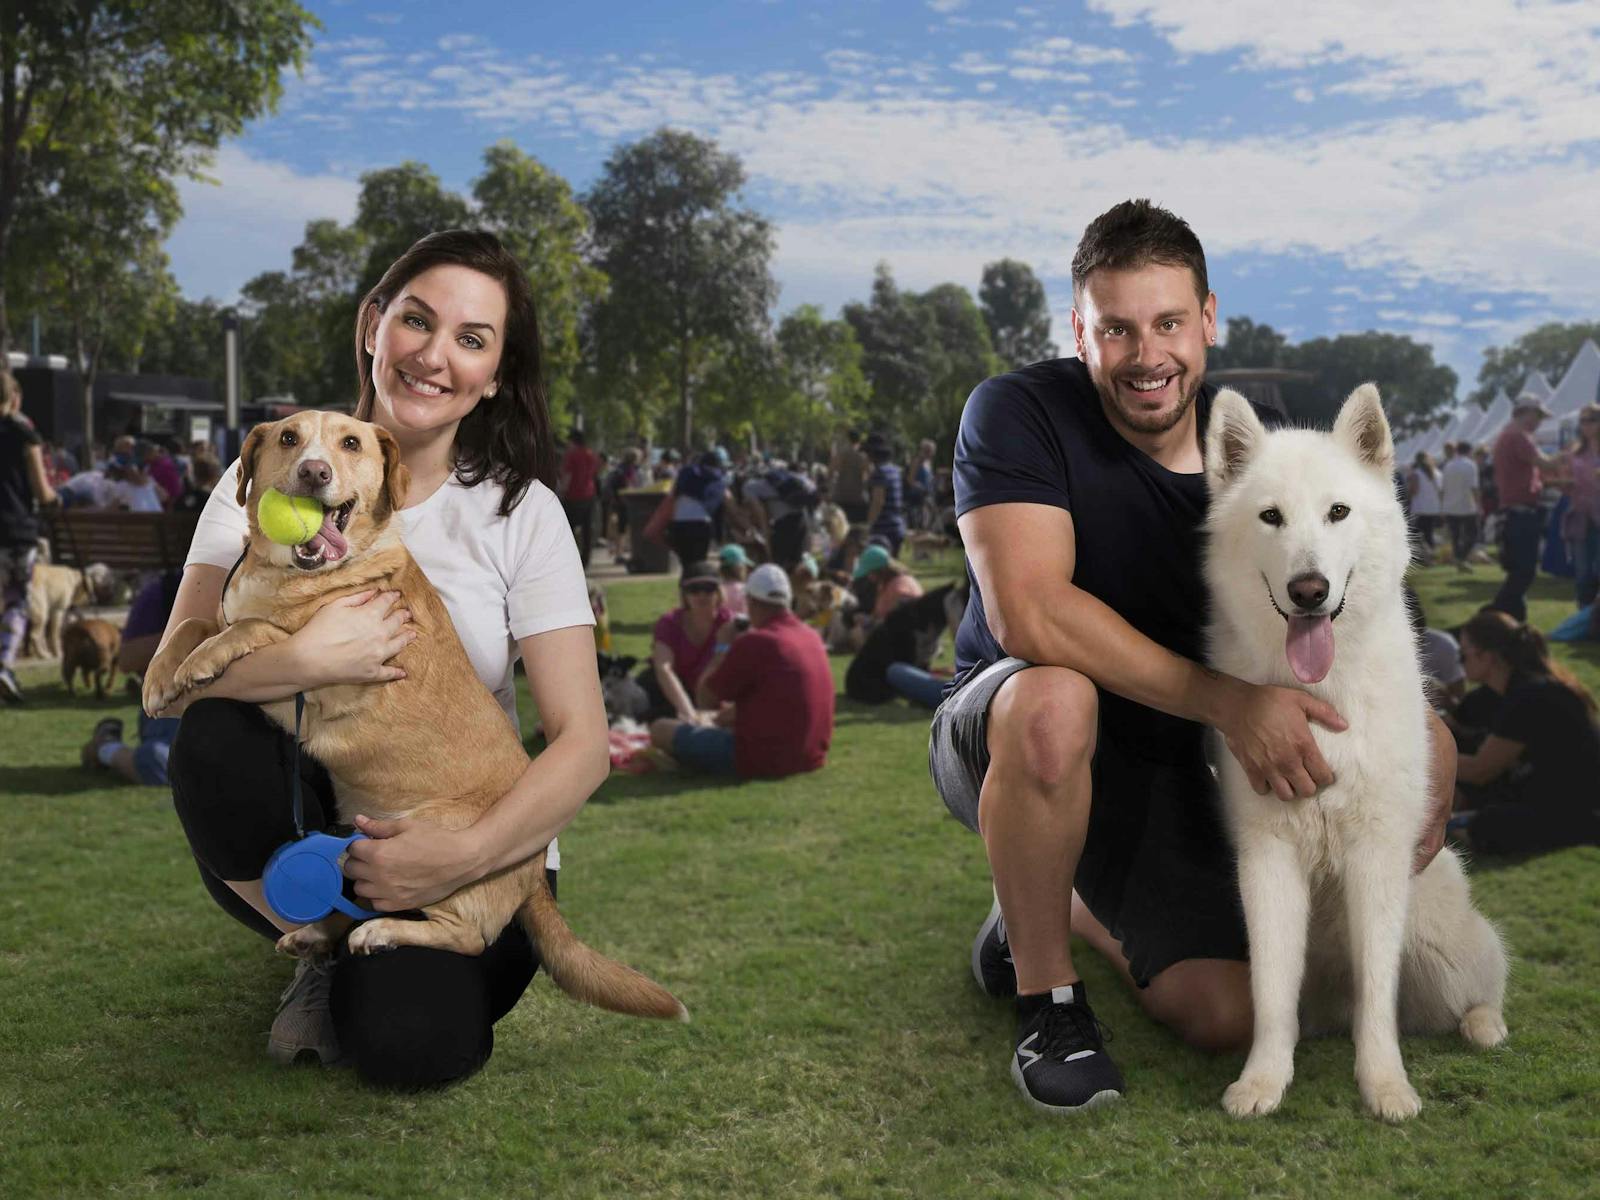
{"type": "Point", "coordinates": [1016, 313]}
{"type": "Point", "coordinates": [1247, 344]}
{"type": "Point", "coordinates": [129, 90]}
{"type": "Point", "coordinates": [688, 269]}
{"type": "Point", "coordinates": [898, 340]}
{"type": "Point", "coordinates": [398, 205]}
{"type": "Point", "coordinates": [962, 358]}
{"type": "Point", "coordinates": [533, 211]}
{"type": "Point", "coordinates": [822, 383]}
{"type": "Point", "coordinates": [1548, 349]}
{"type": "Point", "coordinates": [1415, 389]}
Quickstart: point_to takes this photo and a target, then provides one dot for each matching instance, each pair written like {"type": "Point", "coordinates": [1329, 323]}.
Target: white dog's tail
{"type": "Point", "coordinates": [584, 973]}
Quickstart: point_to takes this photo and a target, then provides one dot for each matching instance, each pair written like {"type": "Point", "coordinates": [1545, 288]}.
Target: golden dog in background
{"type": "Point", "coordinates": [434, 745]}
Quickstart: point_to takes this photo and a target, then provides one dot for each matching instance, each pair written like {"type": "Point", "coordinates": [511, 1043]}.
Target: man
{"type": "Point", "coordinates": [1072, 737]}
{"type": "Point", "coordinates": [1517, 461]}
{"type": "Point", "coordinates": [849, 471]}
{"type": "Point", "coordinates": [776, 678]}
{"type": "Point", "coordinates": [576, 487]}
{"type": "Point", "coordinates": [1458, 500]}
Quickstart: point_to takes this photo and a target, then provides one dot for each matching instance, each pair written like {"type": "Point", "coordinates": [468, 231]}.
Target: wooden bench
{"type": "Point", "coordinates": [124, 541]}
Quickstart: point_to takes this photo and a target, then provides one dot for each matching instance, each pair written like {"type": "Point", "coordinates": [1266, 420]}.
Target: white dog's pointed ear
{"type": "Point", "coordinates": [1364, 430]}
{"type": "Point", "coordinates": [1233, 434]}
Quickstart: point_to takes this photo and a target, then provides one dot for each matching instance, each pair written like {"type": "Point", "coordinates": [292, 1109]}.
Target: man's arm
{"type": "Point", "coordinates": [1037, 615]}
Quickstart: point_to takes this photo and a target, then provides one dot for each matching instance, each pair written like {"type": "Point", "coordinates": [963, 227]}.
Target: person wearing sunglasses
{"type": "Point", "coordinates": [687, 639]}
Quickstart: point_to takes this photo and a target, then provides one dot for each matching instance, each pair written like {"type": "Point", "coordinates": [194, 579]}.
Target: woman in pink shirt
{"type": "Point", "coordinates": [687, 640]}
{"type": "Point", "coordinates": [1581, 526]}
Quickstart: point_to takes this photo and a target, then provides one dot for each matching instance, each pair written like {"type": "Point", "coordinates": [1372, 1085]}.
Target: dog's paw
{"type": "Point", "coordinates": [372, 936]}
{"type": "Point", "coordinates": [1483, 1026]}
{"type": "Point", "coordinates": [196, 674]}
{"type": "Point", "coordinates": [307, 942]}
{"type": "Point", "coordinates": [1254, 1095]}
{"type": "Point", "coordinates": [1391, 1098]}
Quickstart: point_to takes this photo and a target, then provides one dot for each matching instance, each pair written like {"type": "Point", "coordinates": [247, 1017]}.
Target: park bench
{"type": "Point", "coordinates": [124, 541]}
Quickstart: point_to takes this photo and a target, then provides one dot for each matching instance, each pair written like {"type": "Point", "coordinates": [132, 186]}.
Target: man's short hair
{"type": "Point", "coordinates": [1135, 234]}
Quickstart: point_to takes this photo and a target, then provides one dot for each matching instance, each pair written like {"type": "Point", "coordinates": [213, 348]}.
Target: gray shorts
{"type": "Point", "coordinates": [1156, 869]}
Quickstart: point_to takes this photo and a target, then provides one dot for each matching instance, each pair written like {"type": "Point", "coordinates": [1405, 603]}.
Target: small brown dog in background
{"type": "Point", "coordinates": [90, 647]}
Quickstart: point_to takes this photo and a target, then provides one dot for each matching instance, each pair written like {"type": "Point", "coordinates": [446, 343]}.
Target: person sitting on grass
{"type": "Point", "coordinates": [141, 635]}
{"type": "Point", "coordinates": [894, 659]}
{"type": "Point", "coordinates": [775, 689]}
{"type": "Point", "coordinates": [685, 641]}
{"type": "Point", "coordinates": [880, 584]}
{"type": "Point", "coordinates": [733, 564]}
{"type": "Point", "coordinates": [1529, 785]}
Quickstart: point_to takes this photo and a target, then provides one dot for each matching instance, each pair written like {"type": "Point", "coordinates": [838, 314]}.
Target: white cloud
{"type": "Point", "coordinates": [248, 221]}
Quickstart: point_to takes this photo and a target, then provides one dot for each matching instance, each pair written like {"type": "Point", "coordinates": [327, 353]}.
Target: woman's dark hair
{"type": "Point", "coordinates": [1135, 234]}
{"type": "Point", "coordinates": [1523, 649]}
{"type": "Point", "coordinates": [506, 438]}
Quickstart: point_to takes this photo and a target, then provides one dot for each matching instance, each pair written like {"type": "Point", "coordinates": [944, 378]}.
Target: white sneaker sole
{"type": "Point", "coordinates": [1098, 1100]}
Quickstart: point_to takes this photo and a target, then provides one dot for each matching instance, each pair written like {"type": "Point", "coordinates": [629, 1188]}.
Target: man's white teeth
{"type": "Point", "coordinates": [427, 389]}
{"type": "Point", "coordinates": [1148, 385]}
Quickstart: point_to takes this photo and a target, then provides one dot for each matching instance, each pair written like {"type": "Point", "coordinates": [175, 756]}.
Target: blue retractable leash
{"type": "Point", "coordinates": [302, 880]}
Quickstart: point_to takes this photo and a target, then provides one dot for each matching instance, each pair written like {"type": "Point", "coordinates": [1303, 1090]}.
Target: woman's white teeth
{"type": "Point", "coordinates": [427, 389]}
{"type": "Point", "coordinates": [1148, 385]}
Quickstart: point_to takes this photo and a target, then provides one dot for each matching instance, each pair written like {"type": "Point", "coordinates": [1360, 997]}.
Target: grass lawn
{"type": "Point", "coordinates": [818, 929]}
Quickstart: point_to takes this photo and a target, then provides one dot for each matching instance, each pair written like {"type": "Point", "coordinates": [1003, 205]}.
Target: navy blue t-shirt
{"type": "Point", "coordinates": [1039, 436]}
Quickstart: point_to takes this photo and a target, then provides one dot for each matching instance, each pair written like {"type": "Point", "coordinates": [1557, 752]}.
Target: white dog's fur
{"type": "Point", "coordinates": [1386, 951]}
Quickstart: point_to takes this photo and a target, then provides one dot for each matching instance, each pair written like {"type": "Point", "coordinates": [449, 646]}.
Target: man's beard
{"type": "Point", "coordinates": [1150, 423]}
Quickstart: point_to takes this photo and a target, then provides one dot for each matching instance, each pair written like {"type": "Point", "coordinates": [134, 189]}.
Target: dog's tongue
{"type": "Point", "coordinates": [1309, 645]}
{"type": "Point", "coordinates": [328, 539]}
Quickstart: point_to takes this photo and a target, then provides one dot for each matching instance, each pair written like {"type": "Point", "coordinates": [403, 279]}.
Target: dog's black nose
{"type": "Point", "coordinates": [1309, 590]}
{"type": "Point", "coordinates": [314, 473]}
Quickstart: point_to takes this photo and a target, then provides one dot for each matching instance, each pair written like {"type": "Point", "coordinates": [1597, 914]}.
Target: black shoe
{"type": "Point", "coordinates": [991, 956]}
{"type": "Point", "coordinates": [1060, 1061]}
{"type": "Point", "coordinates": [10, 689]}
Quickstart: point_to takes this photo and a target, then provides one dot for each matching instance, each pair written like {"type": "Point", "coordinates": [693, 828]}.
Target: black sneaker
{"type": "Point", "coordinates": [10, 689]}
{"type": "Point", "coordinates": [1060, 1061]}
{"type": "Point", "coordinates": [991, 956]}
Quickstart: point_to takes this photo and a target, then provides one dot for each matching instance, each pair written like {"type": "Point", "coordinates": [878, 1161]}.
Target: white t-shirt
{"type": "Point", "coordinates": [136, 497]}
{"type": "Point", "coordinates": [1424, 494]}
{"type": "Point", "coordinates": [501, 578]}
{"type": "Point", "coordinates": [1457, 481]}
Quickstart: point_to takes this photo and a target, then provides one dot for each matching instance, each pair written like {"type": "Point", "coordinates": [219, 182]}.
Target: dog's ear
{"type": "Point", "coordinates": [396, 475]}
{"type": "Point", "coordinates": [1233, 434]}
{"type": "Point", "coordinates": [247, 460]}
{"type": "Point", "coordinates": [1364, 430]}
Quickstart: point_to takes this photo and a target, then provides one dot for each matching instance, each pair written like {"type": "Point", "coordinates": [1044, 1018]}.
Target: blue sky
{"type": "Point", "coordinates": [1426, 168]}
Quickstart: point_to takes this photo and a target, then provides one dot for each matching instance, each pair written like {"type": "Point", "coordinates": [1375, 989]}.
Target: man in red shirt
{"type": "Point", "coordinates": [576, 487]}
{"type": "Point", "coordinates": [777, 678]}
{"type": "Point", "coordinates": [1516, 476]}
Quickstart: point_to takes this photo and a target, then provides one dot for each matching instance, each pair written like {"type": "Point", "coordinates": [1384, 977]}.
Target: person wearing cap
{"type": "Point", "coordinates": [733, 564]}
{"type": "Point", "coordinates": [1517, 465]}
{"type": "Point", "coordinates": [685, 642]}
{"type": "Point", "coordinates": [886, 507]}
{"type": "Point", "coordinates": [775, 689]}
{"type": "Point", "coordinates": [892, 581]}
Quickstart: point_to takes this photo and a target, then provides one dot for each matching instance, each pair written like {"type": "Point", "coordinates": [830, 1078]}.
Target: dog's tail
{"type": "Point", "coordinates": [584, 973]}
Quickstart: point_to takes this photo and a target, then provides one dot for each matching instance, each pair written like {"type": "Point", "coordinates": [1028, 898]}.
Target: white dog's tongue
{"type": "Point", "coordinates": [328, 539]}
{"type": "Point", "coordinates": [1309, 645]}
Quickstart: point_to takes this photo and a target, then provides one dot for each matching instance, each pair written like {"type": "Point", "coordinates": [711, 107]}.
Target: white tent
{"type": "Point", "coordinates": [1578, 387]}
{"type": "Point", "coordinates": [1492, 418]}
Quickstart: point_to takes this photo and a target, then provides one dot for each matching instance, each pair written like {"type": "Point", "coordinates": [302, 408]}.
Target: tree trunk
{"type": "Point", "coordinates": [685, 401]}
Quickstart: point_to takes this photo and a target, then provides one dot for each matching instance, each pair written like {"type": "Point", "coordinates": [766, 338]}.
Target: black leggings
{"type": "Point", "coordinates": [410, 1017]}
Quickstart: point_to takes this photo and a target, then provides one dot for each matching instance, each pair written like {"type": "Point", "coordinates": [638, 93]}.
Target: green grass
{"type": "Point", "coordinates": [818, 929]}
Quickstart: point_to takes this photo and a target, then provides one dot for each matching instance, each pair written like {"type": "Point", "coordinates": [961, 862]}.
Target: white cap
{"type": "Point", "coordinates": [769, 584]}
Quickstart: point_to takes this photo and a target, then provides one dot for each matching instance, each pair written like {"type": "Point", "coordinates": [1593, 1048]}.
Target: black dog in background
{"type": "Point", "coordinates": [909, 634]}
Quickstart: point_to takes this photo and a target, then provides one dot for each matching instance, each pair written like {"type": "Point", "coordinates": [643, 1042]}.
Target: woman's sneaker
{"type": "Point", "coordinates": [10, 689]}
{"type": "Point", "coordinates": [991, 956]}
{"type": "Point", "coordinates": [1060, 1061]}
{"type": "Point", "coordinates": [303, 1029]}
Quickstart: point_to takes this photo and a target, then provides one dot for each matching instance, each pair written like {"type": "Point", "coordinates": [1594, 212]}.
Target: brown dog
{"type": "Point", "coordinates": [90, 647]}
{"type": "Point", "coordinates": [434, 745]}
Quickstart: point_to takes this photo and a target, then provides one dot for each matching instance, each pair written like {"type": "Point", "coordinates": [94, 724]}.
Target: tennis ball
{"type": "Point", "coordinates": [289, 520]}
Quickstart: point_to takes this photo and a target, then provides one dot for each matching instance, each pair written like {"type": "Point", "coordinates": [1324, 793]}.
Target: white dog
{"type": "Point", "coordinates": [1307, 548]}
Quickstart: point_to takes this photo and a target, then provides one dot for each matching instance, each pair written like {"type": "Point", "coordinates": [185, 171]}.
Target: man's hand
{"type": "Point", "coordinates": [1267, 730]}
{"type": "Point", "coordinates": [407, 864]}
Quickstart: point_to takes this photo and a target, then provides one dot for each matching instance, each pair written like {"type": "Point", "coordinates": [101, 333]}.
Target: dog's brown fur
{"type": "Point", "coordinates": [435, 745]}
{"type": "Point", "coordinates": [52, 591]}
{"type": "Point", "coordinates": [90, 647]}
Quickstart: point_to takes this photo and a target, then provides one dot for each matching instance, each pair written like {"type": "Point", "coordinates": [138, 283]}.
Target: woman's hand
{"type": "Point", "coordinates": [352, 639]}
{"type": "Point", "coordinates": [408, 864]}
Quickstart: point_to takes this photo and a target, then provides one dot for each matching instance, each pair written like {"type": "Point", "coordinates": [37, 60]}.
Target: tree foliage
{"type": "Point", "coordinates": [1548, 349]}
{"type": "Point", "coordinates": [1016, 313]}
{"type": "Point", "coordinates": [690, 285]}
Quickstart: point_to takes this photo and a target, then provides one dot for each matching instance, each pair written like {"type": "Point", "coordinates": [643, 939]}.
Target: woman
{"type": "Point", "coordinates": [697, 493]}
{"type": "Point", "coordinates": [886, 513]}
{"type": "Point", "coordinates": [23, 487]}
{"type": "Point", "coordinates": [1422, 497]}
{"type": "Point", "coordinates": [686, 641]}
{"type": "Point", "coordinates": [919, 488]}
{"type": "Point", "coordinates": [1530, 783]}
{"type": "Point", "coordinates": [447, 349]}
{"type": "Point", "coordinates": [1580, 528]}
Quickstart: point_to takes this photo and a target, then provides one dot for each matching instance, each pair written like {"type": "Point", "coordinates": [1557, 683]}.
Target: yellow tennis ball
{"type": "Point", "coordinates": [289, 520]}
